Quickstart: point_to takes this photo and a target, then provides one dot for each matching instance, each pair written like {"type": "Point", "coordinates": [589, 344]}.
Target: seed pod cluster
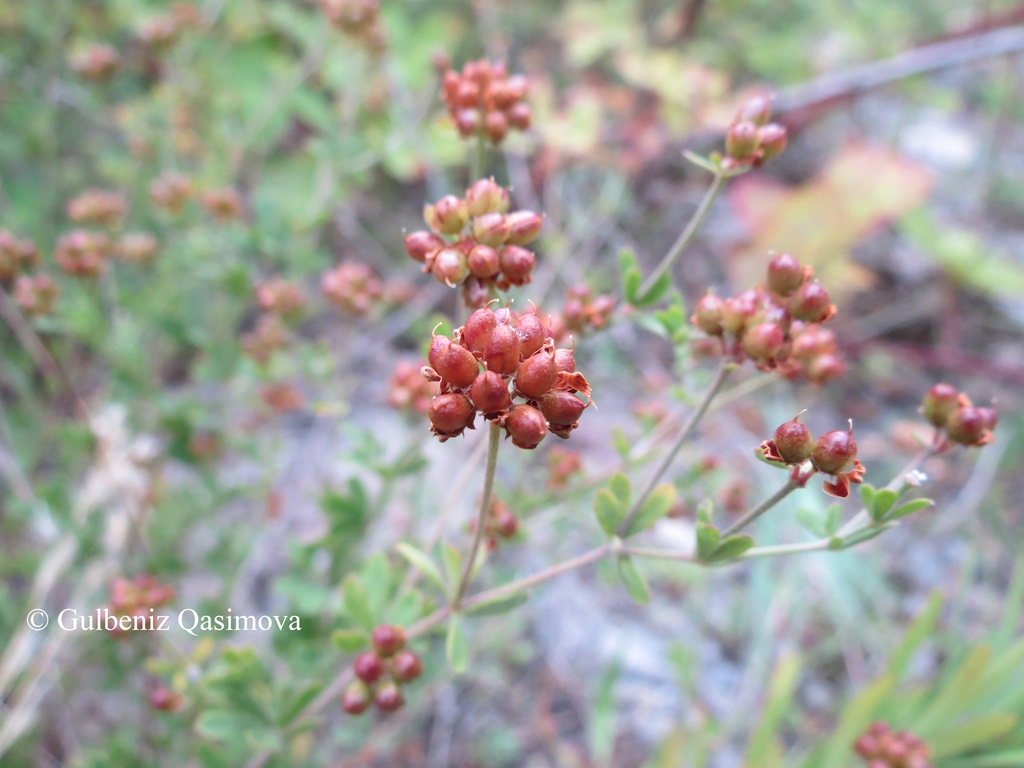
{"type": "Point", "coordinates": [381, 673]}
{"type": "Point", "coordinates": [882, 748]}
{"type": "Point", "coordinates": [16, 255]}
{"type": "Point", "coordinates": [505, 367]}
{"type": "Point", "coordinates": [484, 100]}
{"type": "Point", "coordinates": [352, 286]}
{"type": "Point", "coordinates": [102, 207]}
{"type": "Point", "coordinates": [752, 140]}
{"type": "Point", "coordinates": [408, 390]}
{"type": "Point", "coordinates": [36, 294]}
{"type": "Point", "coordinates": [833, 454]}
{"type": "Point", "coordinates": [474, 241]}
{"type": "Point", "coordinates": [358, 19]}
{"type": "Point", "coordinates": [98, 63]}
{"type": "Point", "coordinates": [582, 311]}
{"type": "Point", "coordinates": [501, 525]}
{"type": "Point", "coordinates": [956, 418]}
{"type": "Point", "coordinates": [277, 296]}
{"type": "Point", "coordinates": [136, 596]}
{"type": "Point", "coordinates": [83, 253]}
{"type": "Point", "coordinates": [778, 325]}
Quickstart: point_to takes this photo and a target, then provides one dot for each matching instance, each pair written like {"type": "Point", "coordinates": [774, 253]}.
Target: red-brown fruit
{"type": "Point", "coordinates": [389, 698]}
{"type": "Point", "coordinates": [387, 639]}
{"type": "Point", "coordinates": [457, 366]}
{"type": "Point", "coordinates": [356, 698]}
{"type": "Point", "coordinates": [810, 302]}
{"type": "Point", "coordinates": [517, 263]}
{"type": "Point", "coordinates": [368, 667]}
{"type": "Point", "coordinates": [763, 341]}
{"type": "Point", "coordinates": [565, 360]}
{"type": "Point", "coordinates": [406, 667]}
{"type": "Point", "coordinates": [449, 266]}
{"type": "Point", "coordinates": [422, 243]}
{"type": "Point", "coordinates": [531, 334]}
{"type": "Point", "coordinates": [483, 261]}
{"type": "Point", "coordinates": [450, 214]}
{"type": "Point", "coordinates": [496, 126]}
{"type": "Point", "coordinates": [451, 413]}
{"type": "Point", "coordinates": [526, 426]}
{"type": "Point", "coordinates": [939, 402]}
{"type": "Point", "coordinates": [562, 409]}
{"type": "Point", "coordinates": [490, 393]}
{"type": "Point", "coordinates": [478, 329]}
{"type": "Point", "coordinates": [834, 452]}
{"type": "Point", "coordinates": [794, 441]}
{"type": "Point", "coordinates": [501, 353]}
{"type": "Point", "coordinates": [524, 227]}
{"type": "Point", "coordinates": [707, 315]}
{"type": "Point", "coordinates": [520, 116]}
{"type": "Point", "coordinates": [785, 274]}
{"type": "Point", "coordinates": [537, 374]}
{"type": "Point", "coordinates": [971, 425]}
{"type": "Point", "coordinates": [492, 229]}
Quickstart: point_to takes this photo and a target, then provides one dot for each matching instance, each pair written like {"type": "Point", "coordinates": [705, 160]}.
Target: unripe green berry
{"type": "Point", "coordinates": [707, 315]}
{"type": "Point", "coordinates": [939, 402]}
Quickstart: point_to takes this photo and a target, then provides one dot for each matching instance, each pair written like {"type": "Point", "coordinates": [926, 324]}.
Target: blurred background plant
{"type": "Point", "coordinates": [205, 293]}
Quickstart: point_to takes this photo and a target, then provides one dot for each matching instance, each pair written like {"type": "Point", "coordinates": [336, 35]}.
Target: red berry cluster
{"type": "Point", "coordinates": [136, 247]}
{"type": "Point", "coordinates": [751, 139]}
{"type": "Point", "coordinates": [582, 312]}
{"type": "Point", "coordinates": [224, 204]}
{"type": "Point", "coordinates": [277, 296]}
{"type": "Point", "coordinates": [484, 99]}
{"type": "Point", "coordinates": [98, 63]}
{"type": "Point", "coordinates": [491, 351]}
{"type": "Point", "coordinates": [36, 294]}
{"type": "Point", "coordinates": [382, 672]}
{"type": "Point", "coordinates": [777, 325]}
{"type": "Point", "coordinates": [881, 748]}
{"type": "Point", "coordinates": [475, 241]}
{"type": "Point", "coordinates": [352, 287]}
{"type": "Point", "coordinates": [953, 414]}
{"type": "Point", "coordinates": [408, 390]}
{"type": "Point", "coordinates": [135, 597]}
{"type": "Point", "coordinates": [16, 255]}
{"type": "Point", "coordinates": [267, 337]}
{"type": "Point", "coordinates": [83, 253]}
{"type": "Point", "coordinates": [356, 18]}
{"type": "Point", "coordinates": [103, 207]}
{"type": "Point", "coordinates": [164, 699]}
{"type": "Point", "coordinates": [501, 523]}
{"type": "Point", "coordinates": [171, 191]}
{"type": "Point", "coordinates": [562, 464]}
{"type": "Point", "coordinates": [833, 454]}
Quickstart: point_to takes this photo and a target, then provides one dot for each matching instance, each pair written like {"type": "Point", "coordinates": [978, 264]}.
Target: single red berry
{"type": "Point", "coordinates": [506, 524]}
{"type": "Point", "coordinates": [368, 667]}
{"type": "Point", "coordinates": [421, 244]}
{"type": "Point", "coordinates": [531, 333]}
{"type": "Point", "coordinates": [526, 426]}
{"type": "Point", "coordinates": [939, 402]}
{"type": "Point", "coordinates": [467, 122]}
{"type": "Point", "coordinates": [825, 368]}
{"type": "Point", "coordinates": [813, 342]}
{"type": "Point", "coordinates": [737, 311]}
{"type": "Point", "coordinates": [449, 267]}
{"type": "Point", "coordinates": [501, 353]}
{"type": "Point", "coordinates": [496, 126]}
{"type": "Point", "coordinates": [438, 346]}
{"type": "Point", "coordinates": [562, 409]}
{"type": "Point", "coordinates": [492, 229]}
{"type": "Point", "coordinates": [834, 452]}
{"type": "Point", "coordinates": [389, 698]}
{"type": "Point", "coordinates": [450, 214]}
{"type": "Point", "coordinates": [164, 699]}
{"type": "Point", "coordinates": [478, 329]}
{"type": "Point", "coordinates": [707, 315]}
{"type": "Point", "coordinates": [520, 116]}
{"type": "Point", "coordinates": [772, 139]}
{"type": "Point", "coordinates": [387, 639]}
{"type": "Point", "coordinates": [971, 425]}
{"type": "Point", "coordinates": [794, 441]}
{"type": "Point", "coordinates": [451, 413]}
{"type": "Point", "coordinates": [490, 393]}
{"type": "Point", "coordinates": [537, 374]}
{"type": "Point", "coordinates": [406, 667]}
{"type": "Point", "coordinates": [517, 263]}
{"type": "Point", "coordinates": [356, 698]}
{"type": "Point", "coordinates": [763, 341]}
{"type": "Point", "coordinates": [565, 360]}
{"type": "Point", "coordinates": [811, 302]}
{"type": "Point", "coordinates": [524, 227]}
{"type": "Point", "coordinates": [785, 274]}
{"type": "Point", "coordinates": [486, 196]}
{"type": "Point", "coordinates": [483, 261]}
{"type": "Point", "coordinates": [741, 140]}
{"type": "Point", "coordinates": [457, 366]}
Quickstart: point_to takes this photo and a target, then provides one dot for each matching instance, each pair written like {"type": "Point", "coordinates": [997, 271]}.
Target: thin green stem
{"type": "Point", "coordinates": [477, 158]}
{"type": "Point", "coordinates": [785, 549]}
{"type": "Point", "coordinates": [717, 184]}
{"type": "Point", "coordinates": [684, 434]}
{"type": "Point", "coordinates": [493, 441]}
{"type": "Point", "coordinates": [660, 554]}
{"type": "Point", "coordinates": [751, 515]}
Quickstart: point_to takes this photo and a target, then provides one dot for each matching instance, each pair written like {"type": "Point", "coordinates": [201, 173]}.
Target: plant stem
{"type": "Point", "coordinates": [785, 549]}
{"type": "Point", "coordinates": [752, 515]}
{"type": "Point", "coordinates": [477, 158]}
{"type": "Point", "coordinates": [493, 441]}
{"type": "Point", "coordinates": [684, 434]}
{"type": "Point", "coordinates": [717, 184]}
{"type": "Point", "coordinates": [660, 554]}
{"type": "Point", "coordinates": [858, 520]}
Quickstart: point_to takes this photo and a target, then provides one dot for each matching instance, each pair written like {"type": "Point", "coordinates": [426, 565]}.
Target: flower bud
{"type": "Point", "coordinates": [741, 140]}
{"type": "Point", "coordinates": [524, 227]}
{"type": "Point", "coordinates": [526, 426]}
{"type": "Point", "coordinates": [517, 263]}
{"type": "Point", "coordinates": [368, 667]}
{"type": "Point", "coordinates": [491, 229]}
{"type": "Point", "coordinates": [834, 452]}
{"type": "Point", "coordinates": [356, 698]}
{"type": "Point", "coordinates": [406, 667]}
{"type": "Point", "coordinates": [811, 303]}
{"type": "Point", "coordinates": [939, 402]}
{"type": "Point", "coordinates": [486, 196]}
{"type": "Point", "coordinates": [772, 139]}
{"type": "Point", "coordinates": [387, 639]}
{"type": "Point", "coordinates": [501, 353]}
{"type": "Point", "coordinates": [450, 215]}
{"type": "Point", "coordinates": [785, 274]}
{"type": "Point", "coordinates": [537, 374]}
{"type": "Point", "coordinates": [794, 441]}
{"type": "Point", "coordinates": [422, 243]}
{"type": "Point", "coordinates": [483, 261]}
{"type": "Point", "coordinates": [389, 698]}
{"type": "Point", "coordinates": [490, 393]}
{"type": "Point", "coordinates": [763, 341]}
{"type": "Point", "coordinates": [449, 267]}
{"type": "Point", "coordinates": [450, 414]}
{"type": "Point", "coordinates": [477, 330]}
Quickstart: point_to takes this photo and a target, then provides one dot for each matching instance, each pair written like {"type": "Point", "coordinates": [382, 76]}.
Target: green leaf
{"type": "Point", "coordinates": [858, 537]}
{"type": "Point", "coordinates": [778, 704]}
{"type": "Point", "coordinates": [602, 719]}
{"type": "Point", "coordinates": [452, 559]}
{"type": "Point", "coordinates": [297, 701]}
{"type": "Point", "coordinates": [704, 511]}
{"type": "Point", "coordinates": [707, 540]}
{"type": "Point", "coordinates": [420, 561]}
{"type": "Point", "coordinates": [610, 512]}
{"type": "Point", "coordinates": [657, 504]}
{"type": "Point", "coordinates": [919, 631]}
{"type": "Point", "coordinates": [975, 732]}
{"type": "Point", "coordinates": [357, 605]}
{"type": "Point", "coordinates": [456, 648]}
{"type": "Point", "coordinates": [498, 605]}
{"type": "Point", "coordinates": [630, 273]}
{"type": "Point", "coordinates": [619, 485]}
{"type": "Point", "coordinates": [376, 578]}
{"type": "Point", "coordinates": [882, 503]}
{"type": "Point", "coordinates": [956, 693]}
{"type": "Point", "coordinates": [701, 162]}
{"type": "Point", "coordinates": [349, 640]}
{"type": "Point", "coordinates": [655, 292]}
{"type": "Point", "coordinates": [823, 523]}
{"type": "Point", "coordinates": [1012, 759]}
{"type": "Point", "coordinates": [226, 725]}
{"type": "Point", "coordinates": [731, 548]}
{"type": "Point", "coordinates": [634, 581]}
{"type": "Point", "coordinates": [909, 508]}
{"type": "Point", "coordinates": [407, 609]}
{"type": "Point", "coordinates": [867, 495]}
